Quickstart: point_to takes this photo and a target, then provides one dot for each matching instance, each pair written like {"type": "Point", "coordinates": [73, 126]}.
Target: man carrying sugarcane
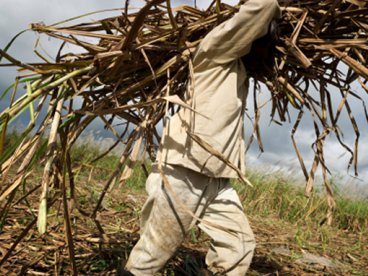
{"type": "Point", "coordinates": [201, 150]}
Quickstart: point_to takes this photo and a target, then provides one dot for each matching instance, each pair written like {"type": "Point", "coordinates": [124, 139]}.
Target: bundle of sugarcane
{"type": "Point", "coordinates": [137, 71]}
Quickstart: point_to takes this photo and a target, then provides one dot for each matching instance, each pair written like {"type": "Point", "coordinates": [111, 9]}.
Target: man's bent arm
{"type": "Point", "coordinates": [233, 38]}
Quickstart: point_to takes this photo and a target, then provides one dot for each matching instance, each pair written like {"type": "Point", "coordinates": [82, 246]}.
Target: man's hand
{"type": "Point", "coordinates": [260, 59]}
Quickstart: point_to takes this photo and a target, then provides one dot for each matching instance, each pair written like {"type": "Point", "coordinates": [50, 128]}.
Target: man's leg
{"type": "Point", "coordinates": [164, 220]}
{"type": "Point", "coordinates": [231, 251]}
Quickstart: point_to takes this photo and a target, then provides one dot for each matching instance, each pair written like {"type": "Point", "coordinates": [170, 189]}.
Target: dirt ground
{"type": "Point", "coordinates": [101, 245]}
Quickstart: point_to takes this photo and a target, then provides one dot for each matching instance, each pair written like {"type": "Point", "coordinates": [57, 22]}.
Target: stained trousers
{"type": "Point", "coordinates": [170, 212]}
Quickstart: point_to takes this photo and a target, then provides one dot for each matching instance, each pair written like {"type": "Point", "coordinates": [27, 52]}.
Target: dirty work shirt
{"type": "Point", "coordinates": [217, 92]}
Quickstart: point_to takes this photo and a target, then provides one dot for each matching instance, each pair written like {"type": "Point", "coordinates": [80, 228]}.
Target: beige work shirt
{"type": "Point", "coordinates": [217, 92]}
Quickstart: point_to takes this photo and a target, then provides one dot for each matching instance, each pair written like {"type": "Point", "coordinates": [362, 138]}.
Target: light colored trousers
{"type": "Point", "coordinates": [165, 222]}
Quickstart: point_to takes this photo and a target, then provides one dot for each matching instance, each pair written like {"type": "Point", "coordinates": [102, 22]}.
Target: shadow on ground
{"type": "Point", "coordinates": [106, 259]}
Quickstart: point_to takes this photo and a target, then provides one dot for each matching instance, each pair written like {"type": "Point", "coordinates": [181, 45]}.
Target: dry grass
{"type": "Point", "coordinates": [138, 69]}
{"type": "Point", "coordinates": [283, 241]}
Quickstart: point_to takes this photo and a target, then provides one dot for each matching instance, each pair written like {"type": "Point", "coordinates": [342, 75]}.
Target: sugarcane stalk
{"type": "Point", "coordinates": [16, 108]}
{"type": "Point", "coordinates": [42, 210]}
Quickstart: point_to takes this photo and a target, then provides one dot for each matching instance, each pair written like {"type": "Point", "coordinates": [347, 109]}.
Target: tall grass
{"type": "Point", "coordinates": [273, 194]}
{"type": "Point", "coordinates": [278, 195]}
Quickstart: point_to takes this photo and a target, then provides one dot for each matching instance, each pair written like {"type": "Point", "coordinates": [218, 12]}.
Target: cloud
{"type": "Point", "coordinates": [280, 153]}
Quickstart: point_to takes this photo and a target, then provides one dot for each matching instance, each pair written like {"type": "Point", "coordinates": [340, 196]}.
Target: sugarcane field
{"type": "Point", "coordinates": [73, 201]}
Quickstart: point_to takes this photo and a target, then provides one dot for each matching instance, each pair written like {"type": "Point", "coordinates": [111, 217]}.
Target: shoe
{"type": "Point", "coordinates": [205, 272]}
{"type": "Point", "coordinates": [123, 272]}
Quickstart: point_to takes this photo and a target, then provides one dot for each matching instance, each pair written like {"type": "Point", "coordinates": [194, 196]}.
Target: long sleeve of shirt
{"type": "Point", "coordinates": [233, 38]}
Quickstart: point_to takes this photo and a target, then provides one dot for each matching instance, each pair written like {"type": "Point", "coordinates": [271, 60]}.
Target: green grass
{"type": "Point", "coordinates": [277, 195]}
{"type": "Point", "coordinates": [275, 203]}
{"type": "Point", "coordinates": [272, 195]}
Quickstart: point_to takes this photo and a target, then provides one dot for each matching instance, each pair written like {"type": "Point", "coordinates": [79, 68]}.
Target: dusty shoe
{"type": "Point", "coordinates": [122, 272]}
{"type": "Point", "coordinates": [205, 272]}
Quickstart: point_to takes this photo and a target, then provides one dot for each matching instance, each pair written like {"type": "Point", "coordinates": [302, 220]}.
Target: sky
{"type": "Point", "coordinates": [16, 15]}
